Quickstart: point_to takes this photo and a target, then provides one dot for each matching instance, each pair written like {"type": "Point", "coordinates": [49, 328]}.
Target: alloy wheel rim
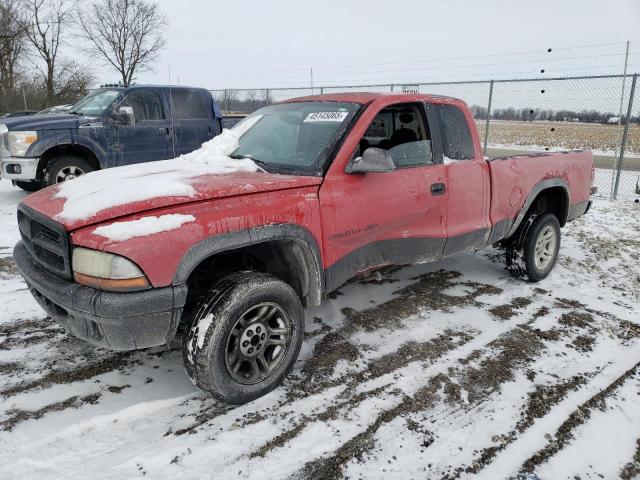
{"type": "Point", "coordinates": [545, 247]}
{"type": "Point", "coordinates": [257, 343]}
{"type": "Point", "coordinates": [68, 173]}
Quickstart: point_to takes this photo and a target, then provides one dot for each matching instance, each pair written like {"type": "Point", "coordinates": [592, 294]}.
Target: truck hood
{"type": "Point", "coordinates": [45, 122]}
{"type": "Point", "coordinates": [203, 188]}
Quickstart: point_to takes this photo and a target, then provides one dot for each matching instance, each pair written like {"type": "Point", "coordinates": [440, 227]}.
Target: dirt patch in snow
{"type": "Point", "coordinates": [8, 266]}
{"type": "Point", "coordinates": [632, 469]}
{"type": "Point", "coordinates": [505, 312]}
{"type": "Point", "coordinates": [512, 350]}
{"type": "Point", "coordinates": [576, 319]}
{"type": "Point", "coordinates": [427, 293]}
{"type": "Point", "coordinates": [117, 361]}
{"type": "Point", "coordinates": [18, 416]}
{"type": "Point", "coordinates": [564, 434]}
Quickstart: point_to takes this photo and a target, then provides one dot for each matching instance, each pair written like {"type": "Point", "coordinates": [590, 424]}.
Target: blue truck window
{"type": "Point", "coordinates": [146, 105]}
{"type": "Point", "coordinates": [188, 105]}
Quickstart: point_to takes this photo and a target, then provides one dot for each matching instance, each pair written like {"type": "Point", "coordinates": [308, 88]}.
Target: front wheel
{"type": "Point", "coordinates": [244, 337]}
{"type": "Point", "coordinates": [533, 251]}
{"type": "Point", "coordinates": [65, 167]}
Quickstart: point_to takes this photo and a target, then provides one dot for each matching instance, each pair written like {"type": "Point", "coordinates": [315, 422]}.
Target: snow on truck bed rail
{"type": "Point", "coordinates": [89, 194]}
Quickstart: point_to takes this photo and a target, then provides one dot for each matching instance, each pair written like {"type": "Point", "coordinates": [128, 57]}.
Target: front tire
{"type": "Point", "coordinates": [533, 251]}
{"type": "Point", "coordinates": [65, 167]}
{"type": "Point", "coordinates": [244, 337]}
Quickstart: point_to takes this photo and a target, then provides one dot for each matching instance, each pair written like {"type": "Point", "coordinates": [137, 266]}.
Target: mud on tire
{"type": "Point", "coordinates": [533, 250]}
{"type": "Point", "coordinates": [246, 321]}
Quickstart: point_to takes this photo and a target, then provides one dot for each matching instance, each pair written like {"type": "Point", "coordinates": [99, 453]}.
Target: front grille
{"type": "Point", "coordinates": [46, 241]}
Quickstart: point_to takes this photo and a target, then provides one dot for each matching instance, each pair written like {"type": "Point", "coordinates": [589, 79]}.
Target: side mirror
{"type": "Point", "coordinates": [373, 160]}
{"type": "Point", "coordinates": [125, 116]}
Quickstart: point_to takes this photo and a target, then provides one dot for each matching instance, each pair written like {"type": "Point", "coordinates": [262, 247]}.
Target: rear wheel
{"type": "Point", "coordinates": [244, 337]}
{"type": "Point", "coordinates": [533, 251]}
{"type": "Point", "coordinates": [65, 167]}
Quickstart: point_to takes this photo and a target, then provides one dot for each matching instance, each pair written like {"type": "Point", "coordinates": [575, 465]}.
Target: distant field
{"type": "Point", "coordinates": [588, 136]}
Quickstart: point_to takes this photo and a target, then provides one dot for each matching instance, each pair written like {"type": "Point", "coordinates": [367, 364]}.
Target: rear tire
{"type": "Point", "coordinates": [533, 250]}
{"type": "Point", "coordinates": [32, 186]}
{"type": "Point", "coordinates": [244, 337]}
{"type": "Point", "coordinates": [65, 167]}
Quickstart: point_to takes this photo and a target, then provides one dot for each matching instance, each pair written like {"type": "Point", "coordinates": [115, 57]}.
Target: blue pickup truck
{"type": "Point", "coordinates": [110, 127]}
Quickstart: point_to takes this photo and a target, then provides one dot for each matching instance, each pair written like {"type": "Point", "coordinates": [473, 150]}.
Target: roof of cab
{"type": "Point", "coordinates": [155, 87]}
{"type": "Point", "coordinates": [365, 98]}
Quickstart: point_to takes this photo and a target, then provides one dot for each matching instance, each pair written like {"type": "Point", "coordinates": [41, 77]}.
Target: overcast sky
{"type": "Point", "coordinates": [218, 44]}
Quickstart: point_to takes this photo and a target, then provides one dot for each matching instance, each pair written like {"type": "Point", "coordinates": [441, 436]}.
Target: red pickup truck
{"type": "Point", "coordinates": [229, 244]}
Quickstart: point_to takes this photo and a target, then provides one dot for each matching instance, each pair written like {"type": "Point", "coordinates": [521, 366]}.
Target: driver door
{"type": "Point", "coordinates": [150, 138]}
{"type": "Point", "coordinates": [374, 219]}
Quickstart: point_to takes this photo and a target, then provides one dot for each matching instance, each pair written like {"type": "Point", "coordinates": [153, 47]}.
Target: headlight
{"type": "Point", "coordinates": [4, 148]}
{"type": "Point", "coordinates": [19, 142]}
{"type": "Point", "coordinates": [106, 271]}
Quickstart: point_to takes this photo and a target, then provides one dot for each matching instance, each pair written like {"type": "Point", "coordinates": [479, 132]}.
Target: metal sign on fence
{"type": "Point", "coordinates": [410, 88]}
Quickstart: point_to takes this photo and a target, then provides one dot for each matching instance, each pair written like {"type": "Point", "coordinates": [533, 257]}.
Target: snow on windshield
{"type": "Point", "coordinates": [96, 191]}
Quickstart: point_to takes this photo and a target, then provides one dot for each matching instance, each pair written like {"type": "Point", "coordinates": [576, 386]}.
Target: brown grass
{"type": "Point", "coordinates": [587, 136]}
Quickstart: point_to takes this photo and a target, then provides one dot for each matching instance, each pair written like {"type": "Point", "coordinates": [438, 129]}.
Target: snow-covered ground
{"type": "Point", "coordinates": [448, 370]}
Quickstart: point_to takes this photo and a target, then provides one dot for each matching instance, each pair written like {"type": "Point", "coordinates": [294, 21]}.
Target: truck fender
{"type": "Point", "coordinates": [66, 138]}
{"type": "Point", "coordinates": [535, 191]}
{"type": "Point", "coordinates": [308, 250]}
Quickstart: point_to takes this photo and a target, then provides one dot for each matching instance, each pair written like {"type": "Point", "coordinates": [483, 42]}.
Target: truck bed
{"type": "Point", "coordinates": [517, 180]}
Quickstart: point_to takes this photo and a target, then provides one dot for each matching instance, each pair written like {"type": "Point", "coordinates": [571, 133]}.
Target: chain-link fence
{"type": "Point", "coordinates": [518, 116]}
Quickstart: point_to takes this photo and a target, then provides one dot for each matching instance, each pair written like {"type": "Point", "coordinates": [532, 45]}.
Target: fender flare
{"type": "Point", "coordinates": [63, 139]}
{"type": "Point", "coordinates": [535, 191]}
{"type": "Point", "coordinates": [254, 236]}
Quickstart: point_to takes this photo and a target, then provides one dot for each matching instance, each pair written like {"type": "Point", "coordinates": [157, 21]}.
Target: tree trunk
{"type": "Point", "coordinates": [50, 88]}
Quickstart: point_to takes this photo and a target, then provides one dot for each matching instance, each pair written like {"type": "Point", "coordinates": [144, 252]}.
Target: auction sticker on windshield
{"type": "Point", "coordinates": [326, 116]}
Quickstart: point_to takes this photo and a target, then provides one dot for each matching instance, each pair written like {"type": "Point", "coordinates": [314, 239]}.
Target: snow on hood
{"type": "Point", "coordinates": [89, 194]}
{"type": "Point", "coordinates": [121, 231]}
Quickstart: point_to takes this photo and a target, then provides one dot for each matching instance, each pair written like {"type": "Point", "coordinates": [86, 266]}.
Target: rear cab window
{"type": "Point", "coordinates": [402, 130]}
{"type": "Point", "coordinates": [188, 105]}
{"type": "Point", "coordinates": [457, 143]}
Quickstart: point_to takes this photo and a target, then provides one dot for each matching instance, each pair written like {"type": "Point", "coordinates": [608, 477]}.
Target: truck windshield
{"type": "Point", "coordinates": [95, 103]}
{"type": "Point", "coordinates": [295, 137]}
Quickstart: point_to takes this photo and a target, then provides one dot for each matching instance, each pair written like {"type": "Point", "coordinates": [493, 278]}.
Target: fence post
{"type": "Point", "coordinates": [486, 127]}
{"type": "Point", "coordinates": [625, 135]}
{"type": "Point", "coordinates": [321, 90]}
{"type": "Point", "coordinates": [392, 87]}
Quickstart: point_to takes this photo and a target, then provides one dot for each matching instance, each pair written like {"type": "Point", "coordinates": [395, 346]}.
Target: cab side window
{"type": "Point", "coordinates": [403, 131]}
{"type": "Point", "coordinates": [146, 105]}
{"type": "Point", "coordinates": [188, 106]}
{"type": "Point", "coordinates": [457, 143]}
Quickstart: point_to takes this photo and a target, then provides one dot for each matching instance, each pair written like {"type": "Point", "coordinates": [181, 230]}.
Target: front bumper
{"type": "Point", "coordinates": [27, 168]}
{"type": "Point", "coordinates": [118, 321]}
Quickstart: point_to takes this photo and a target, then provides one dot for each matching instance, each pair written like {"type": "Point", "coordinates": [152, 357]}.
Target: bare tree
{"type": "Point", "coordinates": [126, 34]}
{"type": "Point", "coordinates": [45, 22]}
{"type": "Point", "coordinates": [228, 99]}
{"type": "Point", "coordinates": [12, 38]}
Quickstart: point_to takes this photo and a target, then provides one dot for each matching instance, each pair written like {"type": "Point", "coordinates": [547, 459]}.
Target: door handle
{"type": "Point", "coordinates": [438, 188]}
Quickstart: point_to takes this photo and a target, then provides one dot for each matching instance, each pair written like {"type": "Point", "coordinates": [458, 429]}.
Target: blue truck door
{"type": "Point", "coordinates": [149, 139]}
{"type": "Point", "coordinates": [193, 119]}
